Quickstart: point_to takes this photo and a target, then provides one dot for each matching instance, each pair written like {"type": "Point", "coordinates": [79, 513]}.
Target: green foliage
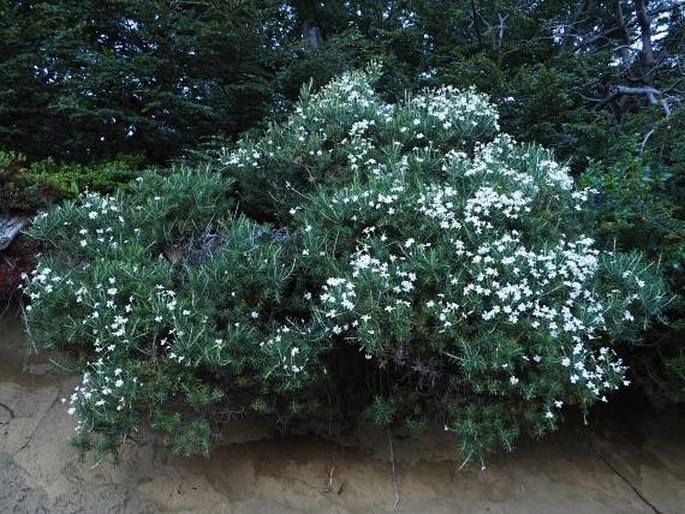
{"type": "Point", "coordinates": [28, 187]}
{"type": "Point", "coordinates": [405, 255]}
{"type": "Point", "coordinates": [637, 207]}
{"type": "Point", "coordinates": [381, 411]}
{"type": "Point", "coordinates": [675, 368]}
{"type": "Point", "coordinates": [641, 208]}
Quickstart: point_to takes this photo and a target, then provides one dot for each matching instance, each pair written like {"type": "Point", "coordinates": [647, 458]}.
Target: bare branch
{"type": "Point", "coordinates": [567, 43]}
{"type": "Point", "coordinates": [644, 141]}
{"type": "Point", "coordinates": [646, 90]}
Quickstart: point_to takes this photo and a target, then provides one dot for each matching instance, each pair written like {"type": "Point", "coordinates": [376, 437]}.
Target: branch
{"type": "Point", "coordinates": [648, 62]}
{"type": "Point", "coordinates": [644, 90]}
{"type": "Point", "coordinates": [648, 91]}
{"type": "Point", "coordinates": [646, 138]}
{"type": "Point", "coordinates": [567, 42]}
{"type": "Point", "coordinates": [624, 49]}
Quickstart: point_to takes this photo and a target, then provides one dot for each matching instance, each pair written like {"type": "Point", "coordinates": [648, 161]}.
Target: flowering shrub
{"type": "Point", "coordinates": [397, 262]}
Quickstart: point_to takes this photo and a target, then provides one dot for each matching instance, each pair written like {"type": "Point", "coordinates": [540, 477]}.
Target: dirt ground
{"type": "Point", "coordinates": [636, 467]}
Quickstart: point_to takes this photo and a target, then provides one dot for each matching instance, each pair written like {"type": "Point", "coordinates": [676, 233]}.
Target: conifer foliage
{"type": "Point", "coordinates": [400, 262]}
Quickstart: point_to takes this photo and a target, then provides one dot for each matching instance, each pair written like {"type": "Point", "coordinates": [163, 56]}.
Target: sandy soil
{"type": "Point", "coordinates": [636, 467]}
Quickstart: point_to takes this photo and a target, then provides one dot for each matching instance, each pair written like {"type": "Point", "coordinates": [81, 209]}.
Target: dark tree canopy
{"type": "Point", "coordinates": [84, 80]}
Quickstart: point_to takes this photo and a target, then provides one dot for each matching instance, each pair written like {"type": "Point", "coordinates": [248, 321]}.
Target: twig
{"type": "Point", "coordinates": [330, 478]}
{"type": "Point", "coordinates": [644, 141]}
{"type": "Point", "coordinates": [395, 478]}
{"type": "Point", "coordinates": [329, 486]}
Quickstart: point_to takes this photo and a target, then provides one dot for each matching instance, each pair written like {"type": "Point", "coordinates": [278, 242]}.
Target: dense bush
{"type": "Point", "coordinates": [642, 207]}
{"type": "Point", "coordinates": [401, 263]}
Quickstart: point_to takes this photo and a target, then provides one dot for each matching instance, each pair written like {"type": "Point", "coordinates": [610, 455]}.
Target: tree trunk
{"type": "Point", "coordinates": [624, 49]}
{"type": "Point", "coordinates": [647, 62]}
{"type": "Point", "coordinates": [311, 37]}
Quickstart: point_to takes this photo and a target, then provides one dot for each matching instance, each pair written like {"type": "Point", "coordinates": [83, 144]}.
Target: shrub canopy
{"type": "Point", "coordinates": [404, 262]}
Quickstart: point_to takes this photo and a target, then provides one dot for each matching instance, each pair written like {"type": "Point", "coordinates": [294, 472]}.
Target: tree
{"type": "Point", "coordinates": [151, 77]}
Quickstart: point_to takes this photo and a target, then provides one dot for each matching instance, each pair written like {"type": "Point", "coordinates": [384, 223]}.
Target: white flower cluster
{"type": "Point", "coordinates": [107, 314]}
{"type": "Point", "coordinates": [100, 227]}
{"type": "Point", "coordinates": [452, 109]}
{"type": "Point", "coordinates": [108, 323]}
{"type": "Point", "coordinates": [477, 214]}
{"type": "Point", "coordinates": [557, 175]}
{"type": "Point", "coordinates": [43, 282]}
{"type": "Point", "coordinates": [104, 387]}
{"type": "Point", "coordinates": [350, 89]}
{"type": "Point", "coordinates": [284, 349]}
{"type": "Point", "coordinates": [342, 309]}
